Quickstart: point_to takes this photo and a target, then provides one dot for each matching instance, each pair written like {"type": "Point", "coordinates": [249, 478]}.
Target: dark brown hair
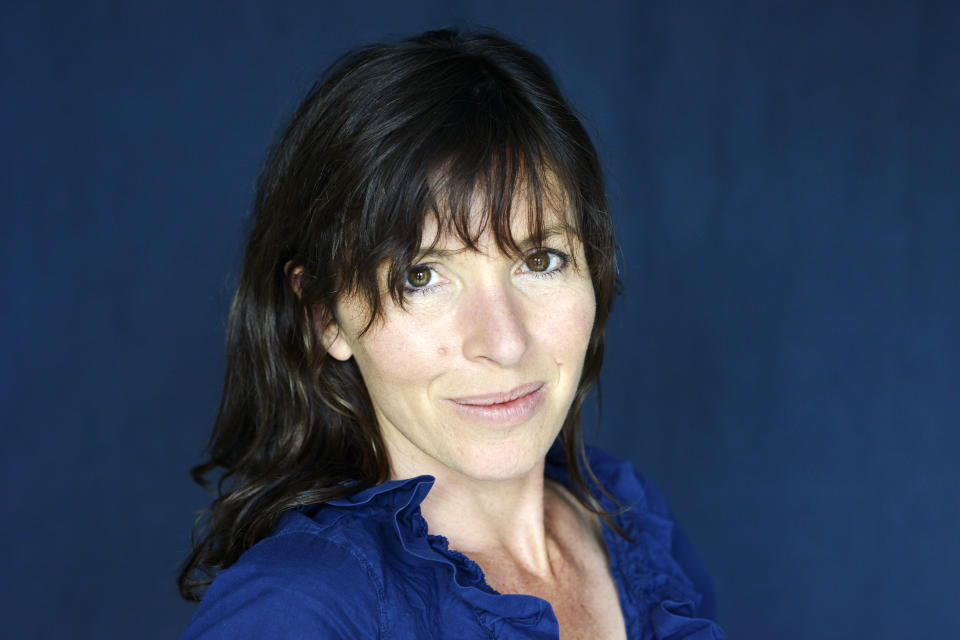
{"type": "Point", "coordinates": [392, 133]}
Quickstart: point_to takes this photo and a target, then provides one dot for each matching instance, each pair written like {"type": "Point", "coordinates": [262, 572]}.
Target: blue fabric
{"type": "Point", "coordinates": [364, 566]}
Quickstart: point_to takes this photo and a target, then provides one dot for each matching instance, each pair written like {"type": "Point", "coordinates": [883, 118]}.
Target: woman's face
{"type": "Point", "coordinates": [476, 374]}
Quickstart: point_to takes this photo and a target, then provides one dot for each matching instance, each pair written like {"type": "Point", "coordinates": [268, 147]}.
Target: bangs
{"type": "Point", "coordinates": [468, 161]}
{"type": "Point", "coordinates": [465, 202]}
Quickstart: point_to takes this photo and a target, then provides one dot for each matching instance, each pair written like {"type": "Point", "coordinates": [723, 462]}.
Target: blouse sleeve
{"type": "Point", "coordinates": [292, 586]}
{"type": "Point", "coordinates": [682, 550]}
{"type": "Point", "coordinates": [687, 558]}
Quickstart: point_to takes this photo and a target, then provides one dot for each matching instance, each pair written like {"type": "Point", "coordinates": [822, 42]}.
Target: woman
{"type": "Point", "coordinates": [419, 319]}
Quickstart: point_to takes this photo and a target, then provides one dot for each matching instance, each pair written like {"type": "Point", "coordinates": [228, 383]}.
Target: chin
{"type": "Point", "coordinates": [504, 461]}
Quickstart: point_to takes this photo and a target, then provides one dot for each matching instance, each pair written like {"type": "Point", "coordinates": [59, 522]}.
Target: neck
{"type": "Point", "coordinates": [492, 518]}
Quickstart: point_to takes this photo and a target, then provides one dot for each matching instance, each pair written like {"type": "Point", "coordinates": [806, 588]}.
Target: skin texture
{"type": "Point", "coordinates": [485, 323]}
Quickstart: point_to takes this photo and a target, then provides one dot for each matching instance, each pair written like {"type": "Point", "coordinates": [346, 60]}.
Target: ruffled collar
{"type": "Point", "coordinates": [508, 616]}
{"type": "Point", "coordinates": [657, 598]}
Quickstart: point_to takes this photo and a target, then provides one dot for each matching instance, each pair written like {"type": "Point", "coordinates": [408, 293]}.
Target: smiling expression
{"type": "Point", "coordinates": [476, 372]}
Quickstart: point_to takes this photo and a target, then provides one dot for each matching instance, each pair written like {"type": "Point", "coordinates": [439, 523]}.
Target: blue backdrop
{"type": "Point", "coordinates": [783, 362]}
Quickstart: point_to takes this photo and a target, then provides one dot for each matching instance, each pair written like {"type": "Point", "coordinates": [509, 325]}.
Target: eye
{"type": "Point", "coordinates": [545, 262]}
{"type": "Point", "coordinates": [538, 261]}
{"type": "Point", "coordinates": [419, 276]}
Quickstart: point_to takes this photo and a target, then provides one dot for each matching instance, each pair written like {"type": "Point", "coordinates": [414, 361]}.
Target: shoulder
{"type": "Point", "coordinates": [648, 512]}
{"type": "Point", "coordinates": [305, 580]}
{"type": "Point", "coordinates": [624, 482]}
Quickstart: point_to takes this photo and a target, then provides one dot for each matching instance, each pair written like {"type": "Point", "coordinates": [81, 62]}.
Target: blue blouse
{"type": "Point", "coordinates": [364, 566]}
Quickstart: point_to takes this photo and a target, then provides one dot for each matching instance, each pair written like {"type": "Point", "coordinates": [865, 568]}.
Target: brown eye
{"type": "Point", "coordinates": [418, 277]}
{"type": "Point", "coordinates": [538, 261]}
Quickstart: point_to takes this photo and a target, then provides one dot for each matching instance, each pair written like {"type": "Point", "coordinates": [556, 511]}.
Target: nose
{"type": "Point", "coordinates": [493, 325]}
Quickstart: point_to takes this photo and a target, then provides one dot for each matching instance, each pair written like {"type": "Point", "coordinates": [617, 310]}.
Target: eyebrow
{"type": "Point", "coordinates": [549, 233]}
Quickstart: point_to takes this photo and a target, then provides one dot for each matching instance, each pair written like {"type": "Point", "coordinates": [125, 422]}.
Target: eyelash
{"type": "Point", "coordinates": [563, 257]}
{"type": "Point", "coordinates": [553, 253]}
{"type": "Point", "coordinates": [417, 291]}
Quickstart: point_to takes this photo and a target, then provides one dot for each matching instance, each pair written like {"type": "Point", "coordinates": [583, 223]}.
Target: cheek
{"type": "Point", "coordinates": [570, 327]}
{"type": "Point", "coordinates": [401, 353]}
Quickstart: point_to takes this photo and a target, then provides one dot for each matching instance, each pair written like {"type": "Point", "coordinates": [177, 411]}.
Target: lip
{"type": "Point", "coordinates": [505, 408]}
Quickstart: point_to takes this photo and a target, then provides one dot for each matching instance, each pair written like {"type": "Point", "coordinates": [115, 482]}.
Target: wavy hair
{"type": "Point", "coordinates": [390, 135]}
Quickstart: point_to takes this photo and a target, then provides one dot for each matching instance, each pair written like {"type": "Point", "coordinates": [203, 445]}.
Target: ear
{"type": "Point", "coordinates": [294, 275]}
{"type": "Point", "coordinates": [334, 342]}
{"type": "Point", "coordinates": [331, 338]}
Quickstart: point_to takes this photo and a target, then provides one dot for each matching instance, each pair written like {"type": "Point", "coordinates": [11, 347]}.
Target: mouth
{"type": "Point", "coordinates": [504, 408]}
